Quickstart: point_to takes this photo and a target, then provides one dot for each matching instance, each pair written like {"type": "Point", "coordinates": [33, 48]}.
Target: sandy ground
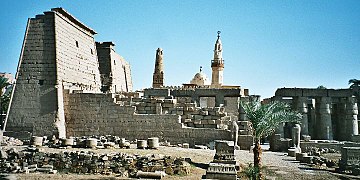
{"type": "Point", "coordinates": [278, 165]}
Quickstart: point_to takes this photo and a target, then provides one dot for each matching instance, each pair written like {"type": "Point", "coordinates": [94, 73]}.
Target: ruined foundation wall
{"type": "Point", "coordinates": [97, 114]}
{"type": "Point", "coordinates": [34, 103]}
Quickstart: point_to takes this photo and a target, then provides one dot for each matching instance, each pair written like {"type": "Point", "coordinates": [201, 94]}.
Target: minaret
{"type": "Point", "coordinates": [158, 76]}
{"type": "Point", "coordinates": [217, 64]}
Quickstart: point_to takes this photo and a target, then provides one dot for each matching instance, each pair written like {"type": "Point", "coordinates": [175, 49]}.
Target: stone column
{"type": "Point", "coordinates": [323, 118]}
{"type": "Point", "coordinates": [341, 131]}
{"type": "Point", "coordinates": [311, 119]}
{"type": "Point", "coordinates": [351, 116]}
{"type": "Point", "coordinates": [301, 106]}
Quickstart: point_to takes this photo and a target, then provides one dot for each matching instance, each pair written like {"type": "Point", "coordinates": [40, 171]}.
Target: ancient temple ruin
{"type": "Point", "coordinates": [329, 114]}
{"type": "Point", "coordinates": [69, 85]}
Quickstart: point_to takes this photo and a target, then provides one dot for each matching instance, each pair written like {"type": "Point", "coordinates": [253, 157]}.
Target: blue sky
{"type": "Point", "coordinates": [266, 44]}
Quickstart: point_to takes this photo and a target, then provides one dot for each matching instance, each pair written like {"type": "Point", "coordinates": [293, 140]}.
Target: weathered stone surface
{"type": "Point", "coordinates": [350, 157]}
{"type": "Point", "coordinates": [223, 165]}
{"type": "Point", "coordinates": [124, 165]}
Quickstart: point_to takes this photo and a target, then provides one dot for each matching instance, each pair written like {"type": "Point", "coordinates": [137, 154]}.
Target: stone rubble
{"type": "Point", "coordinates": [313, 155]}
{"type": "Point", "coordinates": [10, 141]}
{"type": "Point", "coordinates": [32, 159]}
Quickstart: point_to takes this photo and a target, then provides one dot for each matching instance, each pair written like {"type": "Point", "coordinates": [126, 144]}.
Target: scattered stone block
{"type": "Point", "coordinates": [153, 143]}
{"type": "Point", "coordinates": [141, 144]}
{"type": "Point", "coordinates": [186, 145]}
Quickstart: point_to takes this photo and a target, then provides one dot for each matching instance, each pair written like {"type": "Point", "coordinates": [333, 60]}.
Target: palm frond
{"type": "Point", "coordinates": [266, 118]}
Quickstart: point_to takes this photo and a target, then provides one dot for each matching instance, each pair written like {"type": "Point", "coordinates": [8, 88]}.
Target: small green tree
{"type": "Point", "coordinates": [3, 84]}
{"type": "Point", "coordinates": [4, 98]}
{"type": "Point", "coordinates": [321, 87]}
{"type": "Point", "coordinates": [354, 83]}
{"type": "Point", "coordinates": [264, 120]}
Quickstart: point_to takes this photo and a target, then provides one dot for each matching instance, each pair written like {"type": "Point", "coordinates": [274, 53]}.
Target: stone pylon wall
{"type": "Point", "coordinates": [58, 53]}
{"type": "Point", "coordinates": [76, 55]}
{"type": "Point", "coordinates": [34, 102]}
{"type": "Point", "coordinates": [121, 73]}
{"type": "Point", "coordinates": [115, 71]}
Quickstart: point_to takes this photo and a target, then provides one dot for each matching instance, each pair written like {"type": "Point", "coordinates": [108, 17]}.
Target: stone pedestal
{"type": "Point", "coordinates": [349, 158]}
{"type": "Point", "coordinates": [225, 152]}
{"type": "Point", "coordinates": [221, 171]}
{"type": "Point", "coordinates": [224, 164]}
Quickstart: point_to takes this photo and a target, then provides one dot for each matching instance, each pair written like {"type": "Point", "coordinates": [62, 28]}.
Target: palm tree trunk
{"type": "Point", "coordinates": [257, 158]}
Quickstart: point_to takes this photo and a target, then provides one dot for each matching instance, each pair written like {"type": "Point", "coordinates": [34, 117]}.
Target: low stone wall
{"type": "Point", "coordinates": [98, 114]}
{"type": "Point", "coordinates": [191, 115]}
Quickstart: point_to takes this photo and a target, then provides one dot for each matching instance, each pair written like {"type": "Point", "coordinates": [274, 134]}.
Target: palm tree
{"type": "Point", "coordinates": [3, 84]}
{"type": "Point", "coordinates": [354, 83]}
{"type": "Point", "coordinates": [4, 98]}
{"type": "Point", "coordinates": [265, 118]}
{"type": "Point", "coordinates": [321, 87]}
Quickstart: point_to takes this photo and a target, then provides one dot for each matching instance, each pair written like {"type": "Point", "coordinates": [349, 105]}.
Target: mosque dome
{"type": "Point", "coordinates": [200, 79]}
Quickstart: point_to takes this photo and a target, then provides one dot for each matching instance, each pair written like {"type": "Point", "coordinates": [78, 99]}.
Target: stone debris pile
{"type": "Point", "coordinates": [313, 155]}
{"type": "Point", "coordinates": [10, 141]}
{"type": "Point", "coordinates": [314, 151]}
{"type": "Point", "coordinates": [99, 142]}
{"type": "Point", "coordinates": [124, 165]}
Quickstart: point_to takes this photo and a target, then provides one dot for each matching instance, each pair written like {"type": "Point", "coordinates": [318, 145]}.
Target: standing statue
{"type": "Point", "coordinates": [235, 133]}
{"type": "Point", "coordinates": [296, 136]}
{"type": "Point", "coordinates": [296, 141]}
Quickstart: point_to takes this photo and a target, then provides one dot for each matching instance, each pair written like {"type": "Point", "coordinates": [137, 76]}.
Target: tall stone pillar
{"type": "Point", "coordinates": [323, 118]}
{"type": "Point", "coordinates": [301, 106]}
{"type": "Point", "coordinates": [341, 131]}
{"type": "Point", "coordinates": [351, 116]}
{"type": "Point", "coordinates": [311, 119]}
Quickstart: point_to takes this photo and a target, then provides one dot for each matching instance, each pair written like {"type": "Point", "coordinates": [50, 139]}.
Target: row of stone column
{"type": "Point", "coordinates": [322, 123]}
